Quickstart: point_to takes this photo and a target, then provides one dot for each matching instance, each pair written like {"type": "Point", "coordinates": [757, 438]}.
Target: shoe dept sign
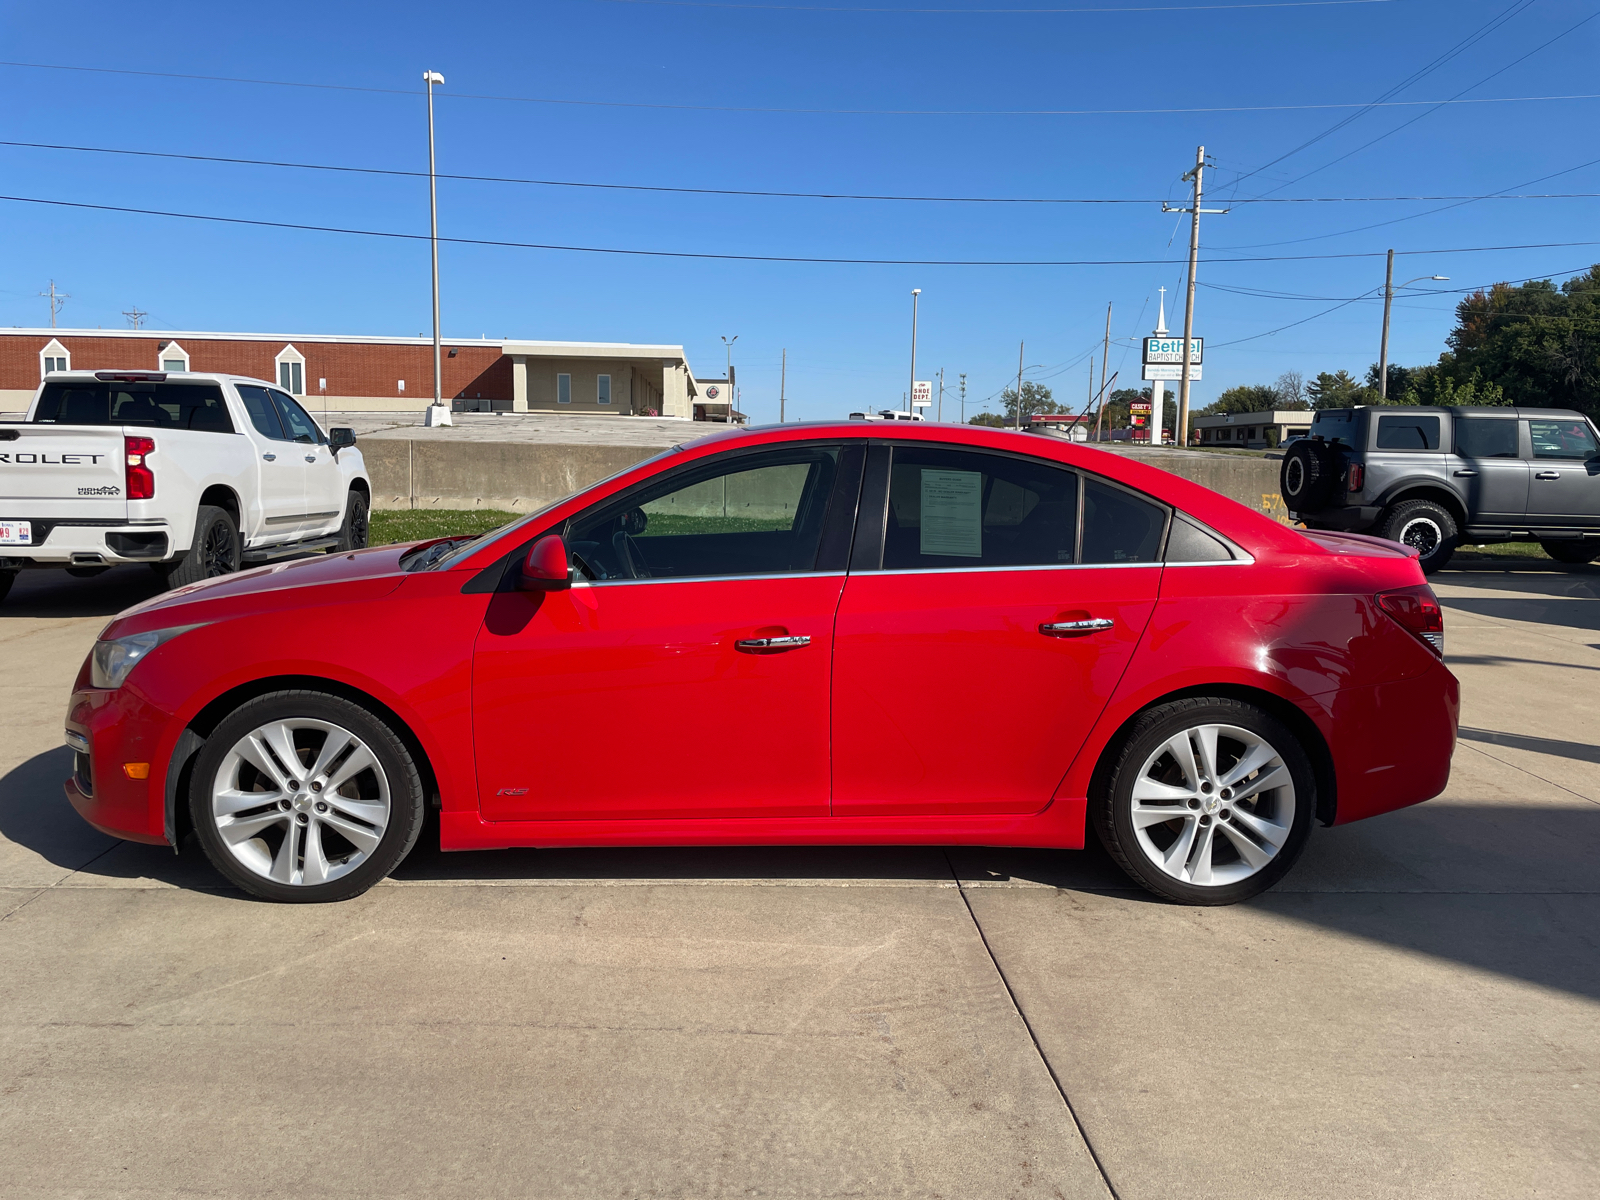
{"type": "Point", "coordinates": [1163, 357]}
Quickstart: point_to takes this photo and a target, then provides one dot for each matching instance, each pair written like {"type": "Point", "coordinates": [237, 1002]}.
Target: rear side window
{"type": "Point", "coordinates": [1190, 542]}
{"type": "Point", "coordinates": [1119, 527]}
{"type": "Point", "coordinates": [197, 406]}
{"type": "Point", "coordinates": [1486, 437]}
{"type": "Point", "coordinates": [263, 413]}
{"type": "Point", "coordinates": [1420, 432]}
{"type": "Point", "coordinates": [960, 508]}
{"type": "Point", "coordinates": [1566, 437]}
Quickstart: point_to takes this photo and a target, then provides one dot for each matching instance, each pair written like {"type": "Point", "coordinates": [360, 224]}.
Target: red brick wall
{"type": "Point", "coordinates": [351, 368]}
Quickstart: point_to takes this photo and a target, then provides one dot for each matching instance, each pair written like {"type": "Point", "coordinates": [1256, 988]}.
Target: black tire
{"type": "Point", "coordinates": [1425, 526]}
{"type": "Point", "coordinates": [1111, 801]}
{"type": "Point", "coordinates": [1572, 553]}
{"type": "Point", "coordinates": [399, 772]}
{"type": "Point", "coordinates": [353, 534]}
{"type": "Point", "coordinates": [1309, 474]}
{"type": "Point", "coordinates": [215, 551]}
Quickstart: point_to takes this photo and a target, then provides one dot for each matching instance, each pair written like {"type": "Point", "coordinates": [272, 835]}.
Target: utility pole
{"type": "Point", "coordinates": [915, 292]}
{"type": "Point", "coordinates": [437, 415]}
{"type": "Point", "coordinates": [134, 315]}
{"type": "Point", "coordinates": [57, 299]}
{"type": "Point", "coordinates": [963, 397]}
{"type": "Point", "coordinates": [1383, 347]}
{"type": "Point", "coordinates": [783, 383]}
{"type": "Point", "coordinates": [1019, 387]}
{"type": "Point", "coordinates": [1181, 433]}
{"type": "Point", "coordinates": [1105, 355]}
{"type": "Point", "coordinates": [940, 410]}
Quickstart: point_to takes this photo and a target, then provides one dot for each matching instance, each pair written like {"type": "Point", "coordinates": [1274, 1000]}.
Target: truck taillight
{"type": "Point", "coordinates": [1416, 609]}
{"type": "Point", "coordinates": [141, 479]}
{"type": "Point", "coordinates": [1358, 476]}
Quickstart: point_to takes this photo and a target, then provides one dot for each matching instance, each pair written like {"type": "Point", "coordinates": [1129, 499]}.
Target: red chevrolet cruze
{"type": "Point", "coordinates": [801, 634]}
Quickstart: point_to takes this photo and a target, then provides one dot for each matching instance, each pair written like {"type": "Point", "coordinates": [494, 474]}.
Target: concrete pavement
{"type": "Point", "coordinates": [1414, 1013]}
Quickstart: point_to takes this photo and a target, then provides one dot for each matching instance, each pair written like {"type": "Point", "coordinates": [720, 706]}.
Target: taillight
{"type": "Point", "coordinates": [1358, 476]}
{"type": "Point", "coordinates": [1417, 610]}
{"type": "Point", "coordinates": [141, 479]}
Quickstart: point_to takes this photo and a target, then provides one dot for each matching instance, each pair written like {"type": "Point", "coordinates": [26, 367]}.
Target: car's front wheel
{"type": "Point", "coordinates": [303, 796]}
{"type": "Point", "coordinates": [1208, 801]}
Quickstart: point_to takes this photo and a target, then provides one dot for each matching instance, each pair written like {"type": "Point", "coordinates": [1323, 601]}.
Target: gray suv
{"type": "Point", "coordinates": [1433, 477]}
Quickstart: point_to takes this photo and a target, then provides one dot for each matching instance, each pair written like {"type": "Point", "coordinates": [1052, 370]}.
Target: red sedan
{"type": "Point", "coordinates": [800, 635]}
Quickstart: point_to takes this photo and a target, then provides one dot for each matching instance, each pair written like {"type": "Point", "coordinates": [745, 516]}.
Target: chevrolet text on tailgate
{"type": "Point", "coordinates": [194, 474]}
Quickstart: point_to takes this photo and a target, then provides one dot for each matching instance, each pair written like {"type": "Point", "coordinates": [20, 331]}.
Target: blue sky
{"type": "Point", "coordinates": [846, 327]}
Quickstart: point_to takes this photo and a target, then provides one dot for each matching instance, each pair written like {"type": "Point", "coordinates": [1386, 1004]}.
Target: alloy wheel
{"type": "Point", "coordinates": [217, 551]}
{"type": "Point", "coordinates": [1209, 780]}
{"type": "Point", "coordinates": [300, 801]}
{"type": "Point", "coordinates": [1422, 535]}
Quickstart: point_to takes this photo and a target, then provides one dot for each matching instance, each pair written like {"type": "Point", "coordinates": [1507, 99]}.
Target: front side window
{"type": "Point", "coordinates": [758, 514]}
{"type": "Point", "coordinates": [1419, 432]}
{"type": "Point", "coordinates": [1486, 437]}
{"type": "Point", "coordinates": [296, 421]}
{"type": "Point", "coordinates": [602, 389]}
{"type": "Point", "coordinates": [1565, 437]}
{"type": "Point", "coordinates": [263, 413]}
{"type": "Point", "coordinates": [962, 508]}
{"type": "Point", "coordinates": [563, 389]}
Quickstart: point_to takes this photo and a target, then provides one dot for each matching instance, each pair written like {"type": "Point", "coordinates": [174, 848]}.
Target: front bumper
{"type": "Point", "coordinates": [119, 728]}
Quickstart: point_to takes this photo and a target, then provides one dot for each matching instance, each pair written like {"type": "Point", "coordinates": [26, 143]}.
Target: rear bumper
{"type": "Point", "coordinates": [120, 728]}
{"type": "Point", "coordinates": [1356, 518]}
{"type": "Point", "coordinates": [64, 545]}
{"type": "Point", "coordinates": [1392, 742]}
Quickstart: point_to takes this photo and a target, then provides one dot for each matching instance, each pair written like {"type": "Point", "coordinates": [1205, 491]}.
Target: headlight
{"type": "Point", "coordinates": [112, 660]}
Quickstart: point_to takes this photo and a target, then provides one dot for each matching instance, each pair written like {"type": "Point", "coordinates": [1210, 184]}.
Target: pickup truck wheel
{"type": "Point", "coordinates": [214, 551]}
{"type": "Point", "coordinates": [354, 532]}
{"type": "Point", "coordinates": [1572, 553]}
{"type": "Point", "coordinates": [1427, 528]}
{"type": "Point", "coordinates": [1308, 475]}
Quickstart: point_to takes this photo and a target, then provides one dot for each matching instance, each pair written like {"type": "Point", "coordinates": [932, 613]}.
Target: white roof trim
{"type": "Point", "coordinates": [539, 349]}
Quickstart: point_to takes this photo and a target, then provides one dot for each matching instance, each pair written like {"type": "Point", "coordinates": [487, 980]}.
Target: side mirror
{"type": "Point", "coordinates": [340, 437]}
{"type": "Point", "coordinates": [545, 568]}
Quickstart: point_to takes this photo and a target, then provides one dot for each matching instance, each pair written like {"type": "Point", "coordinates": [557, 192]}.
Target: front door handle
{"type": "Point", "coordinates": [1548, 475]}
{"type": "Point", "coordinates": [270, 457]}
{"type": "Point", "coordinates": [1466, 472]}
{"type": "Point", "coordinates": [311, 458]}
{"type": "Point", "coordinates": [758, 645]}
{"type": "Point", "coordinates": [1069, 628]}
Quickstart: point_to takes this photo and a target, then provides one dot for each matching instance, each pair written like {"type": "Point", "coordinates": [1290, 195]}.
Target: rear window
{"type": "Point", "coordinates": [1486, 437]}
{"type": "Point", "coordinates": [160, 405]}
{"type": "Point", "coordinates": [1335, 424]}
{"type": "Point", "coordinates": [1419, 432]}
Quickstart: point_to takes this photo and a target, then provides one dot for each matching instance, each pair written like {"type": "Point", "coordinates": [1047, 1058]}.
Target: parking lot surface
{"type": "Point", "coordinates": [1415, 1012]}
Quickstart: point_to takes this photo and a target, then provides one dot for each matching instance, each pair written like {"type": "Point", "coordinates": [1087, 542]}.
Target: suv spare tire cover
{"type": "Point", "coordinates": [1308, 476]}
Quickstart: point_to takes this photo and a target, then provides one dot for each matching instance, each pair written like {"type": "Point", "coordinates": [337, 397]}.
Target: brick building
{"type": "Point", "coordinates": [374, 374]}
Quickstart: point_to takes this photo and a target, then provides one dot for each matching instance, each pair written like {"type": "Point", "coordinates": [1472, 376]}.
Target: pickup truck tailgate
{"type": "Point", "coordinates": [62, 472]}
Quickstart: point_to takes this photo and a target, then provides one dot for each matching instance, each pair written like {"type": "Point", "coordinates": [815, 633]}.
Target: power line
{"type": "Point", "coordinates": [994, 12]}
{"type": "Point", "coordinates": [836, 112]}
{"type": "Point", "coordinates": [699, 191]}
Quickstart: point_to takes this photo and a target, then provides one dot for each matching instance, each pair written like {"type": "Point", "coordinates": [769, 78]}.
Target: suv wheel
{"type": "Point", "coordinates": [1572, 553]}
{"type": "Point", "coordinates": [303, 796]}
{"type": "Point", "coordinates": [1426, 527]}
{"type": "Point", "coordinates": [1209, 801]}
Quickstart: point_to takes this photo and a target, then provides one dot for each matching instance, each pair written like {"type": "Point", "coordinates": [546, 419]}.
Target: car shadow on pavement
{"type": "Point", "coordinates": [53, 593]}
{"type": "Point", "coordinates": [1578, 751]}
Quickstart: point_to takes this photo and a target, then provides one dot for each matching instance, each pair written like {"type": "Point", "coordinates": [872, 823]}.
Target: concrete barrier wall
{"type": "Point", "coordinates": [522, 476]}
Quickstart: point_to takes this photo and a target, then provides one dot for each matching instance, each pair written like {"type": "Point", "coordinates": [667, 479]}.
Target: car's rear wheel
{"type": "Point", "coordinates": [1209, 801]}
{"type": "Point", "coordinates": [215, 550]}
{"type": "Point", "coordinates": [1572, 553]}
{"type": "Point", "coordinates": [301, 796]}
{"type": "Point", "coordinates": [1426, 527]}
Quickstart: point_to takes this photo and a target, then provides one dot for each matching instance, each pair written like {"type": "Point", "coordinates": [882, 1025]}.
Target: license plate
{"type": "Point", "coordinates": [16, 533]}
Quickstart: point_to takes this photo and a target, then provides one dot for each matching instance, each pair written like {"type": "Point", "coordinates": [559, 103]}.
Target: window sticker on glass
{"type": "Point", "coordinates": [952, 513]}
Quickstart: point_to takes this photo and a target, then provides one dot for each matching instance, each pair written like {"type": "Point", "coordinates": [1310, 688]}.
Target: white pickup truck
{"type": "Point", "coordinates": [195, 474]}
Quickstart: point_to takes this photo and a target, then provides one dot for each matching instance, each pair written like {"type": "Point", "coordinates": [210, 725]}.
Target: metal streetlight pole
{"type": "Point", "coordinates": [1388, 298]}
{"type": "Point", "coordinates": [783, 384]}
{"type": "Point", "coordinates": [430, 78]}
{"type": "Point", "coordinates": [1019, 386]}
{"type": "Point", "coordinates": [728, 342]}
{"type": "Point", "coordinates": [911, 396]}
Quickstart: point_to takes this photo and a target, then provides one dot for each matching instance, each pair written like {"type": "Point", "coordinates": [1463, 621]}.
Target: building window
{"type": "Point", "coordinates": [602, 394]}
{"type": "Point", "coordinates": [292, 371]}
{"type": "Point", "coordinates": [173, 357]}
{"type": "Point", "coordinates": [54, 357]}
{"type": "Point", "coordinates": [563, 389]}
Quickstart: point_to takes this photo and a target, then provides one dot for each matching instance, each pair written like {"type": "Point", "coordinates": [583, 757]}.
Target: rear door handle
{"type": "Point", "coordinates": [1466, 472]}
{"type": "Point", "coordinates": [1548, 475]}
{"type": "Point", "coordinates": [270, 457]}
{"type": "Point", "coordinates": [1068, 628]}
{"type": "Point", "coordinates": [757, 645]}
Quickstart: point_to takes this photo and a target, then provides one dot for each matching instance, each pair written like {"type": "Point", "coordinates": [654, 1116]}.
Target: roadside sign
{"type": "Point", "coordinates": [1137, 419]}
{"type": "Point", "coordinates": [1170, 350]}
{"type": "Point", "coordinates": [1169, 371]}
{"type": "Point", "coordinates": [1139, 406]}
{"type": "Point", "coordinates": [921, 393]}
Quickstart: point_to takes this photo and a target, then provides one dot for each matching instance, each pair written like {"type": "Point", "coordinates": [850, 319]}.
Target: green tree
{"type": "Point", "coordinates": [1338, 390]}
{"type": "Point", "coordinates": [1247, 398]}
{"type": "Point", "coordinates": [1035, 399]}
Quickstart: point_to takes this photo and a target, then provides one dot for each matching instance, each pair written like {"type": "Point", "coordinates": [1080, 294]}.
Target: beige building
{"type": "Point", "coordinates": [1250, 431]}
